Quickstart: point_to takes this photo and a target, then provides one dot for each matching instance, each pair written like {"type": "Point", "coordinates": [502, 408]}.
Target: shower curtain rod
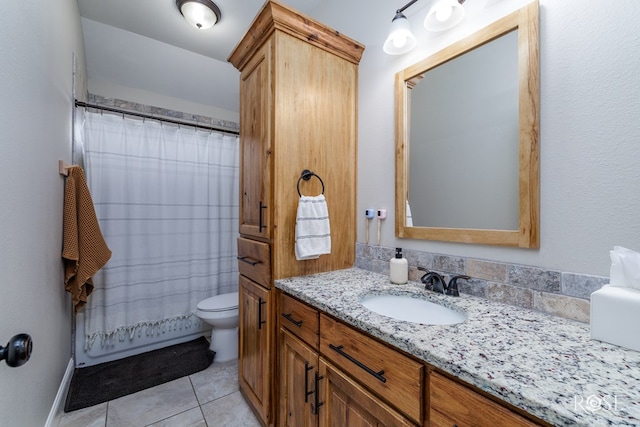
{"type": "Point", "coordinates": [149, 116]}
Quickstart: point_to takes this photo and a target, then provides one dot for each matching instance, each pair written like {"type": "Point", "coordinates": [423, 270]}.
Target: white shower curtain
{"type": "Point", "coordinates": [166, 198]}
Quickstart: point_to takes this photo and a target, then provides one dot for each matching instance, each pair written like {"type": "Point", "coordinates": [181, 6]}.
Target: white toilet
{"type": "Point", "coordinates": [221, 312]}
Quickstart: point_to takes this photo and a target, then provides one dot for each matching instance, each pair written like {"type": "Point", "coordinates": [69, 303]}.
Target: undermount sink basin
{"type": "Point", "coordinates": [412, 310]}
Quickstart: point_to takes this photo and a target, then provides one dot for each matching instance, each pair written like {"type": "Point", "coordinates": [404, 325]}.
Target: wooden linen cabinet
{"type": "Point", "coordinates": [298, 110]}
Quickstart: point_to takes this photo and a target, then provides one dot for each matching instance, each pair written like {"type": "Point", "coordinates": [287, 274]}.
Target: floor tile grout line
{"type": "Point", "coordinates": [195, 393]}
{"type": "Point", "coordinates": [198, 400]}
{"type": "Point", "coordinates": [176, 414]}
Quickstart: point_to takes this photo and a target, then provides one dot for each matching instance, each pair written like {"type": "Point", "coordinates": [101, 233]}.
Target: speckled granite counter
{"type": "Point", "coordinates": [546, 365]}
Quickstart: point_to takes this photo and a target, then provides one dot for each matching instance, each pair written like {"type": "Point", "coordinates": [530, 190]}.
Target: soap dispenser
{"type": "Point", "coordinates": [399, 268]}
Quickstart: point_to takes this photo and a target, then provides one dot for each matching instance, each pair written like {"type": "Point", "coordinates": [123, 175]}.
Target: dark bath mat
{"type": "Point", "coordinates": [107, 381]}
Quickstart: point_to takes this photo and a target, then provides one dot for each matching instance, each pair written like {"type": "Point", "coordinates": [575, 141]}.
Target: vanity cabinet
{"type": "Point", "coordinates": [316, 388]}
{"type": "Point", "coordinates": [298, 111]}
{"type": "Point", "coordinates": [332, 374]}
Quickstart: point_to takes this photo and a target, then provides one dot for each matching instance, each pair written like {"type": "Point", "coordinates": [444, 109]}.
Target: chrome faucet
{"type": "Point", "coordinates": [436, 282]}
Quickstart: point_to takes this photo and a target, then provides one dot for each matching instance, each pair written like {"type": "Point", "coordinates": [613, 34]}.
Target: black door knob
{"type": "Point", "coordinates": [18, 350]}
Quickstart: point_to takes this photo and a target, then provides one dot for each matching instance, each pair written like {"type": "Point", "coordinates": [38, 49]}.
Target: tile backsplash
{"type": "Point", "coordinates": [159, 112]}
{"type": "Point", "coordinates": [554, 292]}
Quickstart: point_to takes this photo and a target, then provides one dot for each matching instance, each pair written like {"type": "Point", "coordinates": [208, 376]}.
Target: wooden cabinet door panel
{"type": "Point", "coordinates": [254, 365]}
{"type": "Point", "coordinates": [298, 364]}
{"type": "Point", "coordinates": [255, 145]}
{"type": "Point", "coordinates": [344, 403]}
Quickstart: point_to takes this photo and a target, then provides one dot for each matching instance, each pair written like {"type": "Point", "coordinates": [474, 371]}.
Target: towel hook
{"type": "Point", "coordinates": [63, 168]}
{"type": "Point", "coordinates": [306, 175]}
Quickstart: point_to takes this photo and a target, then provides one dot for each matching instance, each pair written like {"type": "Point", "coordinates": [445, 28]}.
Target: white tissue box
{"type": "Point", "coordinates": [615, 316]}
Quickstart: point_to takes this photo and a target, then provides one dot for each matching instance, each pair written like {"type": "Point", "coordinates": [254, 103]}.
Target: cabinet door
{"type": "Point", "coordinates": [298, 365]}
{"type": "Point", "coordinates": [345, 403]}
{"type": "Point", "coordinates": [254, 356]}
{"type": "Point", "coordinates": [452, 403]}
{"type": "Point", "coordinates": [255, 145]}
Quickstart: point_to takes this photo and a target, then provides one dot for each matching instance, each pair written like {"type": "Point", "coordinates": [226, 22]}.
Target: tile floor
{"type": "Point", "coordinates": [205, 399]}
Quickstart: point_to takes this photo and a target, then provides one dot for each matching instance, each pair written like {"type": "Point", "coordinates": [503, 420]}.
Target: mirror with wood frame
{"type": "Point", "coordinates": [467, 138]}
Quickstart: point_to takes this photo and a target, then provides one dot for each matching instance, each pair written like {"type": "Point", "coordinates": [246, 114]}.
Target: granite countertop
{"type": "Point", "coordinates": [545, 365]}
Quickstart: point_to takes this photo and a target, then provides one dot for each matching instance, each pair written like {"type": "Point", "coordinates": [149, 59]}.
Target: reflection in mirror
{"type": "Point", "coordinates": [467, 138]}
{"type": "Point", "coordinates": [464, 140]}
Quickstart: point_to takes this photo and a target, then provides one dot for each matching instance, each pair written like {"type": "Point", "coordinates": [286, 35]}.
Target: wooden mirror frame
{"type": "Point", "coordinates": [525, 20]}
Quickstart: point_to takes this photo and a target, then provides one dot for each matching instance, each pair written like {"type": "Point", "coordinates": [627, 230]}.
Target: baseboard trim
{"type": "Point", "coordinates": [58, 404]}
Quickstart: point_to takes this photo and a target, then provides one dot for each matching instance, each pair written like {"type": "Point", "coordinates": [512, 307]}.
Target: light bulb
{"type": "Point", "coordinates": [199, 15]}
{"type": "Point", "coordinates": [399, 40]}
{"type": "Point", "coordinates": [444, 13]}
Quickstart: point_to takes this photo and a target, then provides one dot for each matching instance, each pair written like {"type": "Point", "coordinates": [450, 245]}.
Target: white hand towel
{"type": "Point", "coordinates": [313, 236]}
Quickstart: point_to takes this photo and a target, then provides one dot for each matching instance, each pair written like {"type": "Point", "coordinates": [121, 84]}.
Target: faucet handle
{"type": "Point", "coordinates": [433, 281]}
{"type": "Point", "coordinates": [452, 289]}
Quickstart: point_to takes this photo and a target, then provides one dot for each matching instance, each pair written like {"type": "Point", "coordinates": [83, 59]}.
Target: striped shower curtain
{"type": "Point", "coordinates": [166, 198]}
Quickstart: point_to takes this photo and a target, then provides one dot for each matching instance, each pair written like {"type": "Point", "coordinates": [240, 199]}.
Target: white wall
{"type": "Point", "coordinates": [37, 42]}
{"type": "Point", "coordinates": [128, 66]}
{"type": "Point", "coordinates": [589, 124]}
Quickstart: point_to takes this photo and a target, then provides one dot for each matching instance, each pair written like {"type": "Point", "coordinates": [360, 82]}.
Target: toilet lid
{"type": "Point", "coordinates": [220, 302]}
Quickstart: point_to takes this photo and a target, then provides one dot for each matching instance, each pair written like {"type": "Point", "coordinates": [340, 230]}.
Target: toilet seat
{"type": "Point", "coordinates": [222, 302]}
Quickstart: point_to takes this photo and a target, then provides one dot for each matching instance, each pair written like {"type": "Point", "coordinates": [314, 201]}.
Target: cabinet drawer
{"type": "Point", "coordinates": [393, 376]}
{"type": "Point", "coordinates": [452, 403]}
{"type": "Point", "coordinates": [254, 261]}
{"type": "Point", "coordinates": [300, 319]}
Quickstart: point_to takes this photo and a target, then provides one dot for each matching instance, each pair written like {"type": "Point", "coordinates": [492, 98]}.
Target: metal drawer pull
{"type": "Point", "coordinates": [378, 375]}
{"type": "Point", "coordinates": [318, 404]}
{"type": "Point", "coordinates": [287, 316]}
{"type": "Point", "coordinates": [307, 393]}
{"type": "Point", "coordinates": [249, 261]}
{"type": "Point", "coordinates": [260, 223]}
{"type": "Point", "coordinates": [260, 321]}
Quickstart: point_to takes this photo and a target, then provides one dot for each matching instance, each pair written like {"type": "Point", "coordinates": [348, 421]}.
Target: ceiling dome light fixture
{"type": "Point", "coordinates": [444, 14]}
{"type": "Point", "coordinates": [202, 14]}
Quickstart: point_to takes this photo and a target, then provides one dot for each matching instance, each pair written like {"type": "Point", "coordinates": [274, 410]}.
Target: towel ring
{"type": "Point", "coordinates": [306, 175]}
